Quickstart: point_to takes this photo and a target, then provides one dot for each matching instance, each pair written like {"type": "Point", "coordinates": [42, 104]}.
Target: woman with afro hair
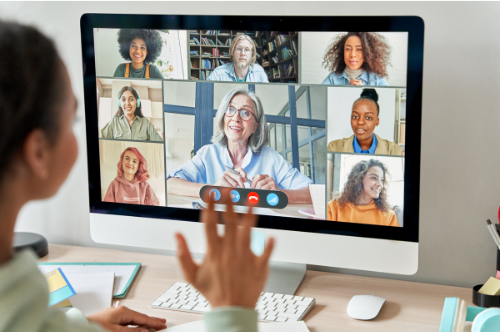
{"type": "Point", "coordinates": [364, 199]}
{"type": "Point", "coordinates": [142, 48]}
{"type": "Point", "coordinates": [357, 58]}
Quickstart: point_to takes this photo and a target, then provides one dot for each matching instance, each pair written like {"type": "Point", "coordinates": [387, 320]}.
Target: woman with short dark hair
{"type": "Point", "coordinates": [358, 58]}
{"type": "Point", "coordinates": [142, 47]}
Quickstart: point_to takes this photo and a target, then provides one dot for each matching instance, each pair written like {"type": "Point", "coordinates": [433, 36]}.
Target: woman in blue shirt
{"type": "Point", "coordinates": [357, 58]}
{"type": "Point", "coordinates": [240, 142]}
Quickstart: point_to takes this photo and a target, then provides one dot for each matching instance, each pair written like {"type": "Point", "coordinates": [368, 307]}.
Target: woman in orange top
{"type": "Point", "coordinates": [363, 200]}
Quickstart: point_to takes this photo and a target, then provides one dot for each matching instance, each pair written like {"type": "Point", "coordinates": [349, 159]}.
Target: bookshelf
{"type": "Point", "coordinates": [277, 52]}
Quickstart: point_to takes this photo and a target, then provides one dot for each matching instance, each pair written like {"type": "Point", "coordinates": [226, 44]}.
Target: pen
{"type": "Point", "coordinates": [234, 172]}
{"type": "Point", "coordinates": [494, 233]}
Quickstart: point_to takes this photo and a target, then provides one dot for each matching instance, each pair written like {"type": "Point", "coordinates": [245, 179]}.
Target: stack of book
{"type": "Point", "coordinates": [194, 53]}
{"type": "Point", "coordinates": [207, 41]}
{"type": "Point", "coordinates": [286, 53]}
{"type": "Point", "coordinates": [280, 39]}
{"type": "Point", "coordinates": [224, 55]}
{"type": "Point", "coordinates": [215, 52]}
{"type": "Point", "coordinates": [289, 70]}
{"type": "Point", "coordinates": [207, 64]}
{"type": "Point", "coordinates": [195, 41]}
{"type": "Point", "coordinates": [206, 54]}
{"type": "Point", "coordinates": [271, 46]}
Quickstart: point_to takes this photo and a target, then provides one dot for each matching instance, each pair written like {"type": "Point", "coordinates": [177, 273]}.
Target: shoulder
{"type": "Point", "coordinates": [270, 152]}
{"type": "Point", "coordinates": [338, 145]}
{"type": "Point", "coordinates": [377, 79]}
{"type": "Point", "coordinates": [389, 147]}
{"type": "Point", "coordinates": [257, 67]}
{"type": "Point", "coordinates": [120, 70]}
{"type": "Point", "coordinates": [155, 70]}
{"type": "Point", "coordinates": [209, 149]}
{"type": "Point", "coordinates": [223, 68]}
{"type": "Point", "coordinates": [333, 204]}
{"type": "Point", "coordinates": [330, 79]}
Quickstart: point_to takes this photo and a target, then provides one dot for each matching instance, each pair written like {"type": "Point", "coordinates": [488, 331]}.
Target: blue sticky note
{"type": "Point", "coordinates": [258, 242]}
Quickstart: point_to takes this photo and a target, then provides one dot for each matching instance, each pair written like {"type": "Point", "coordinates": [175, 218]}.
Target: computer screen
{"type": "Point", "coordinates": [315, 122]}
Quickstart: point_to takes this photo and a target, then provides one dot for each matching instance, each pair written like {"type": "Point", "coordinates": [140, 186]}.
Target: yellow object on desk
{"type": "Point", "coordinates": [491, 287]}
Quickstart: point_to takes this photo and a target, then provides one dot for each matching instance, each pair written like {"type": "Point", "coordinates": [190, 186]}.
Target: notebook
{"type": "Point", "coordinates": [124, 272]}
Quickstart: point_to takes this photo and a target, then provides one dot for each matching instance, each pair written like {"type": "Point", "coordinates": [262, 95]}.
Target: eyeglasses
{"type": "Point", "coordinates": [244, 114]}
{"type": "Point", "coordinates": [243, 50]}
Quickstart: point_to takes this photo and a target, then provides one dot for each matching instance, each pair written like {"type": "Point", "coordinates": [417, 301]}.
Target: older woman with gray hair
{"type": "Point", "coordinates": [240, 142]}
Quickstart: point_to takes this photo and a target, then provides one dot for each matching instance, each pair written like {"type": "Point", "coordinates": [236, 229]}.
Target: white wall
{"type": "Point", "coordinates": [459, 158]}
{"type": "Point", "coordinates": [314, 46]}
{"type": "Point", "coordinates": [340, 102]}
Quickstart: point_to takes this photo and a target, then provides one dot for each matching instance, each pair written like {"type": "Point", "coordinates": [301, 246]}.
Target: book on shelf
{"type": "Point", "coordinates": [215, 52]}
{"type": "Point", "coordinates": [194, 78]}
{"type": "Point", "coordinates": [265, 63]}
{"type": "Point", "coordinates": [225, 55]}
{"type": "Point", "coordinates": [228, 42]}
{"type": "Point", "coordinates": [196, 41]}
{"type": "Point", "coordinates": [280, 39]}
{"type": "Point", "coordinates": [276, 73]}
{"type": "Point", "coordinates": [257, 33]}
{"type": "Point", "coordinates": [275, 59]}
{"type": "Point", "coordinates": [219, 42]}
{"type": "Point", "coordinates": [257, 54]}
{"type": "Point", "coordinates": [194, 53]}
{"type": "Point", "coordinates": [271, 46]}
{"type": "Point", "coordinates": [294, 47]}
{"type": "Point", "coordinates": [223, 33]}
{"type": "Point", "coordinates": [286, 53]}
{"type": "Point", "coordinates": [206, 54]}
{"type": "Point", "coordinates": [193, 31]}
{"type": "Point", "coordinates": [289, 70]}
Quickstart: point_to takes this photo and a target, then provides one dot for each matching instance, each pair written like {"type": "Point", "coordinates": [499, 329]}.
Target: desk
{"type": "Point", "coordinates": [410, 306]}
{"type": "Point", "coordinates": [291, 210]}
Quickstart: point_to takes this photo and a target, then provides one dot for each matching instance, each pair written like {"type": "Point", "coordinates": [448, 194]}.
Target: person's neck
{"type": "Point", "coordinates": [366, 144]}
{"type": "Point", "coordinates": [11, 202]}
{"type": "Point", "coordinates": [129, 177]}
{"type": "Point", "coordinates": [364, 200]}
{"type": "Point", "coordinates": [130, 118]}
{"type": "Point", "coordinates": [237, 152]}
{"type": "Point", "coordinates": [240, 73]}
{"type": "Point", "coordinates": [137, 65]}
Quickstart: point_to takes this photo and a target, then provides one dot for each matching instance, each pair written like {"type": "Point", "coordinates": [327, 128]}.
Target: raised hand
{"type": "Point", "coordinates": [231, 274]}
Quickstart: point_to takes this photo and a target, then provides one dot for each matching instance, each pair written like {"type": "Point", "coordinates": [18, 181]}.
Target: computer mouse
{"type": "Point", "coordinates": [365, 307]}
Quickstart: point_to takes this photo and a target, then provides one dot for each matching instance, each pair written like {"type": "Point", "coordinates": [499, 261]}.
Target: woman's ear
{"type": "Point", "coordinates": [36, 153]}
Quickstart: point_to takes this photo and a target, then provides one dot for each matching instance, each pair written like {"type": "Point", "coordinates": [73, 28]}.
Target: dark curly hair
{"type": "Point", "coordinates": [152, 39]}
{"type": "Point", "coordinates": [354, 187]}
{"type": "Point", "coordinates": [376, 53]}
{"type": "Point", "coordinates": [30, 88]}
{"type": "Point", "coordinates": [138, 111]}
{"type": "Point", "coordinates": [368, 94]}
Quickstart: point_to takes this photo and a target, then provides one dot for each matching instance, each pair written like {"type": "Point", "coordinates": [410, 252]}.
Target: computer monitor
{"type": "Point", "coordinates": [319, 117]}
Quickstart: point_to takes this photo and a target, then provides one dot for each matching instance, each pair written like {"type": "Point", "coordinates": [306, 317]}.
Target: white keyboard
{"type": "Point", "coordinates": [271, 307]}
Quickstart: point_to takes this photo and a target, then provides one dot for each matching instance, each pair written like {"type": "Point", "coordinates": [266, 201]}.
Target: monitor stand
{"type": "Point", "coordinates": [285, 278]}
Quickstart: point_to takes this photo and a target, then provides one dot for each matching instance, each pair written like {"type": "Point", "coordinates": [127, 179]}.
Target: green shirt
{"type": "Point", "coordinates": [24, 296]}
{"type": "Point", "coordinates": [141, 129]}
{"type": "Point", "coordinates": [154, 72]}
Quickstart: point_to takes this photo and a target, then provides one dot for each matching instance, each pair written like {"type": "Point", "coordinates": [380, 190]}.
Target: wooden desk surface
{"type": "Point", "coordinates": [410, 306]}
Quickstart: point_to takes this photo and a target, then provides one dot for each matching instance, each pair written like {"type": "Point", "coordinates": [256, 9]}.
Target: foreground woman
{"type": "Point", "coordinates": [37, 109]}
